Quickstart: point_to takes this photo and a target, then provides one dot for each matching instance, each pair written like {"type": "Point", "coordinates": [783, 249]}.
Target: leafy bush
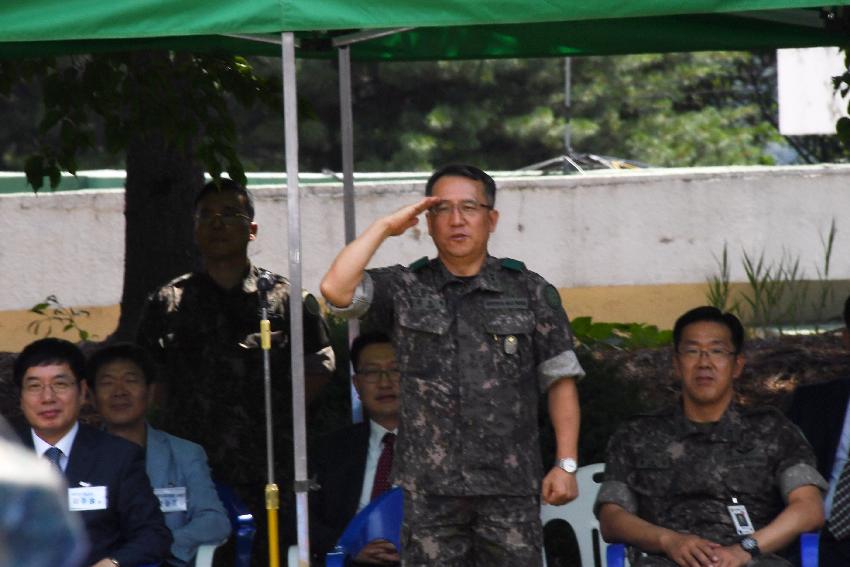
{"type": "Point", "coordinates": [626, 336]}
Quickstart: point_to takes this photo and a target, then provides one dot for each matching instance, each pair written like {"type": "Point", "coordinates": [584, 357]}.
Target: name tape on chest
{"type": "Point", "coordinates": [427, 303]}
{"type": "Point", "coordinates": [506, 303]}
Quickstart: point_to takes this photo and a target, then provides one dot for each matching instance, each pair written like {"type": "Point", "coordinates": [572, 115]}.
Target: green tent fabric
{"type": "Point", "coordinates": [443, 29]}
{"type": "Point", "coordinates": [702, 32]}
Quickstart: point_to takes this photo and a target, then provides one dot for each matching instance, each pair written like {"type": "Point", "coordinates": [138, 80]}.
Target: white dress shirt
{"type": "Point", "coordinates": [64, 445]}
{"type": "Point", "coordinates": [376, 435]}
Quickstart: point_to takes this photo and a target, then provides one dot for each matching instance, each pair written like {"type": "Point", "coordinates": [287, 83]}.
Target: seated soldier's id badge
{"type": "Point", "coordinates": [171, 499]}
{"type": "Point", "coordinates": [740, 517]}
{"type": "Point", "coordinates": [84, 498]}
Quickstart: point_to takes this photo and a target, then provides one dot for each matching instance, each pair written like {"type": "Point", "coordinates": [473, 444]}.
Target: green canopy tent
{"type": "Point", "coordinates": [390, 30]}
{"type": "Point", "coordinates": [447, 29]}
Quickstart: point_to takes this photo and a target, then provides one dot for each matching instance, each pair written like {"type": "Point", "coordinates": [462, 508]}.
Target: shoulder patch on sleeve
{"type": "Point", "coordinates": [418, 264]}
{"type": "Point", "coordinates": [512, 264]}
{"type": "Point", "coordinates": [310, 303]}
{"type": "Point", "coordinates": [553, 298]}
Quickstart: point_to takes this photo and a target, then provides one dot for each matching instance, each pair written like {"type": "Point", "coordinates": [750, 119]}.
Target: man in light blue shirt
{"type": "Point", "coordinates": [120, 377]}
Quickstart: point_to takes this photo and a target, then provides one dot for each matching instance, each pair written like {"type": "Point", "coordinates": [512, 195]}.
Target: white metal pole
{"type": "Point", "coordinates": [293, 202]}
{"type": "Point", "coordinates": [568, 107]}
{"type": "Point", "coordinates": [346, 119]}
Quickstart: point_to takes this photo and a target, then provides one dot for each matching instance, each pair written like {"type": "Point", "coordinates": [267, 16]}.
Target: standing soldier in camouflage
{"type": "Point", "coordinates": [477, 338]}
{"type": "Point", "coordinates": [708, 482]}
{"type": "Point", "coordinates": [202, 329]}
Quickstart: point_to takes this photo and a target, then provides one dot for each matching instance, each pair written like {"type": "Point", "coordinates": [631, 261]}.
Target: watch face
{"type": "Point", "coordinates": [749, 544]}
{"type": "Point", "coordinates": [569, 465]}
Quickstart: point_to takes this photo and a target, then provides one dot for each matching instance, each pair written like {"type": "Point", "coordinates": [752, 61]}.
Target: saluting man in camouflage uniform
{"type": "Point", "coordinates": [202, 329]}
{"type": "Point", "coordinates": [708, 482]}
{"type": "Point", "coordinates": [477, 339]}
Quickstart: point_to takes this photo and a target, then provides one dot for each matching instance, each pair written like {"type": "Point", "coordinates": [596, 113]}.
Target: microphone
{"type": "Point", "coordinates": [265, 282]}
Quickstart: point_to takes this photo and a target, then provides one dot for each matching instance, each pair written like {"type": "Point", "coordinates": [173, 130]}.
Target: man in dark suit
{"type": "Point", "coordinates": [352, 465]}
{"type": "Point", "coordinates": [107, 484]}
{"type": "Point", "coordinates": [822, 413]}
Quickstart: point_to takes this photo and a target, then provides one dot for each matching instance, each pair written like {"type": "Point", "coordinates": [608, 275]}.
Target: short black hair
{"type": "Point", "coordinates": [46, 351]}
{"type": "Point", "coordinates": [362, 341]}
{"type": "Point", "coordinates": [468, 171]}
{"type": "Point", "coordinates": [847, 312]}
{"type": "Point", "coordinates": [226, 185]}
{"type": "Point", "coordinates": [120, 351]}
{"type": "Point", "coordinates": [713, 315]}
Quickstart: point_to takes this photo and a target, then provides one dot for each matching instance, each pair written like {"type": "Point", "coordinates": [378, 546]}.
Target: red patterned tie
{"type": "Point", "coordinates": [385, 463]}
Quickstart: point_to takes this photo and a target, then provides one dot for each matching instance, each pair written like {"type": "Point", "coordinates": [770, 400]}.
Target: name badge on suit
{"type": "Point", "coordinates": [172, 499]}
{"type": "Point", "coordinates": [84, 498]}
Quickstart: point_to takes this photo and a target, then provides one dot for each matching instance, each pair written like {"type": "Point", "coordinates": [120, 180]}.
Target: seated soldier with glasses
{"type": "Point", "coordinates": [708, 482]}
{"type": "Point", "coordinates": [352, 465]}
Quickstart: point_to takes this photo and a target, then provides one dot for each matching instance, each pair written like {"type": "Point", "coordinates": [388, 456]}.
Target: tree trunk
{"type": "Point", "coordinates": [159, 245]}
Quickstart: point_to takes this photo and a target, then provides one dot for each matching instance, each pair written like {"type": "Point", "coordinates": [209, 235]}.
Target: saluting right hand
{"type": "Point", "coordinates": [407, 217]}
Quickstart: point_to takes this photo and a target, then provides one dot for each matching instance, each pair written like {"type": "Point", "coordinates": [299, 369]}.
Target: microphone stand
{"type": "Point", "coordinates": [265, 283]}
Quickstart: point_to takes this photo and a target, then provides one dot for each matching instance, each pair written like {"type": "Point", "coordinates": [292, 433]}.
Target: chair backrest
{"type": "Point", "coordinates": [242, 522]}
{"type": "Point", "coordinates": [381, 519]}
{"type": "Point", "coordinates": [579, 514]}
{"type": "Point", "coordinates": [809, 542]}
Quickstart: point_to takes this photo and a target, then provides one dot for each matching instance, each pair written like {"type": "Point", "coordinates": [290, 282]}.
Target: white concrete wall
{"type": "Point", "coordinates": [603, 229]}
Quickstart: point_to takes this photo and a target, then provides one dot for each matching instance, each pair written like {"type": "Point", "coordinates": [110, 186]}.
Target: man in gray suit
{"type": "Point", "coordinates": [120, 377]}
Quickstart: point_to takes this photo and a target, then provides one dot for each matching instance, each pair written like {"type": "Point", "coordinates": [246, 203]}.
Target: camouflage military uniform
{"type": "Point", "coordinates": [206, 342]}
{"type": "Point", "coordinates": [474, 354]}
{"type": "Point", "coordinates": [682, 475]}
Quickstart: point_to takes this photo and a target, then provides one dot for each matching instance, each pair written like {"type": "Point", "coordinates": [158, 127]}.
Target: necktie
{"type": "Point", "coordinates": [839, 517]}
{"type": "Point", "coordinates": [53, 455]}
{"type": "Point", "coordinates": [385, 463]}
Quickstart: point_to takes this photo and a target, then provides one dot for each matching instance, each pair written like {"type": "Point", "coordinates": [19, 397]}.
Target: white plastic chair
{"type": "Point", "coordinates": [292, 556]}
{"type": "Point", "coordinates": [579, 514]}
{"type": "Point", "coordinates": [204, 557]}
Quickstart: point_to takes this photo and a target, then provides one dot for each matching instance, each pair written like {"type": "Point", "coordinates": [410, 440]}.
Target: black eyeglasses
{"type": "Point", "coordinates": [58, 387]}
{"type": "Point", "coordinates": [715, 355]}
{"type": "Point", "coordinates": [467, 209]}
{"type": "Point", "coordinates": [228, 218]}
{"type": "Point", "coordinates": [374, 375]}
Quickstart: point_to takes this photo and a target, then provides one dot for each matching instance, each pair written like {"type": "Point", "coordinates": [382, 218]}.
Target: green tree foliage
{"type": "Point", "coordinates": [673, 110]}
{"type": "Point", "coordinates": [103, 102]}
{"type": "Point", "coordinates": [842, 85]}
{"type": "Point", "coordinates": [166, 116]}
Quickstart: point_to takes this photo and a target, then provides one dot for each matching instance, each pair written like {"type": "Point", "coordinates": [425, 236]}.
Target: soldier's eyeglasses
{"type": "Point", "coordinates": [467, 209]}
{"type": "Point", "coordinates": [228, 218]}
{"type": "Point", "coordinates": [374, 375]}
{"type": "Point", "coordinates": [715, 355]}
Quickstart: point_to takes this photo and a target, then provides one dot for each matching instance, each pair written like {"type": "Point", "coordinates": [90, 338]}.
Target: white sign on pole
{"type": "Point", "coordinates": [808, 104]}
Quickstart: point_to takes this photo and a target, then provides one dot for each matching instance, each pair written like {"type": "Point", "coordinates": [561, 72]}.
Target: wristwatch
{"type": "Point", "coordinates": [568, 465]}
{"type": "Point", "coordinates": [751, 546]}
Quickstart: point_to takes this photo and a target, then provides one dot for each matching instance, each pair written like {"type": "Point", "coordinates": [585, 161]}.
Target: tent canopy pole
{"type": "Point", "coordinates": [296, 323]}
